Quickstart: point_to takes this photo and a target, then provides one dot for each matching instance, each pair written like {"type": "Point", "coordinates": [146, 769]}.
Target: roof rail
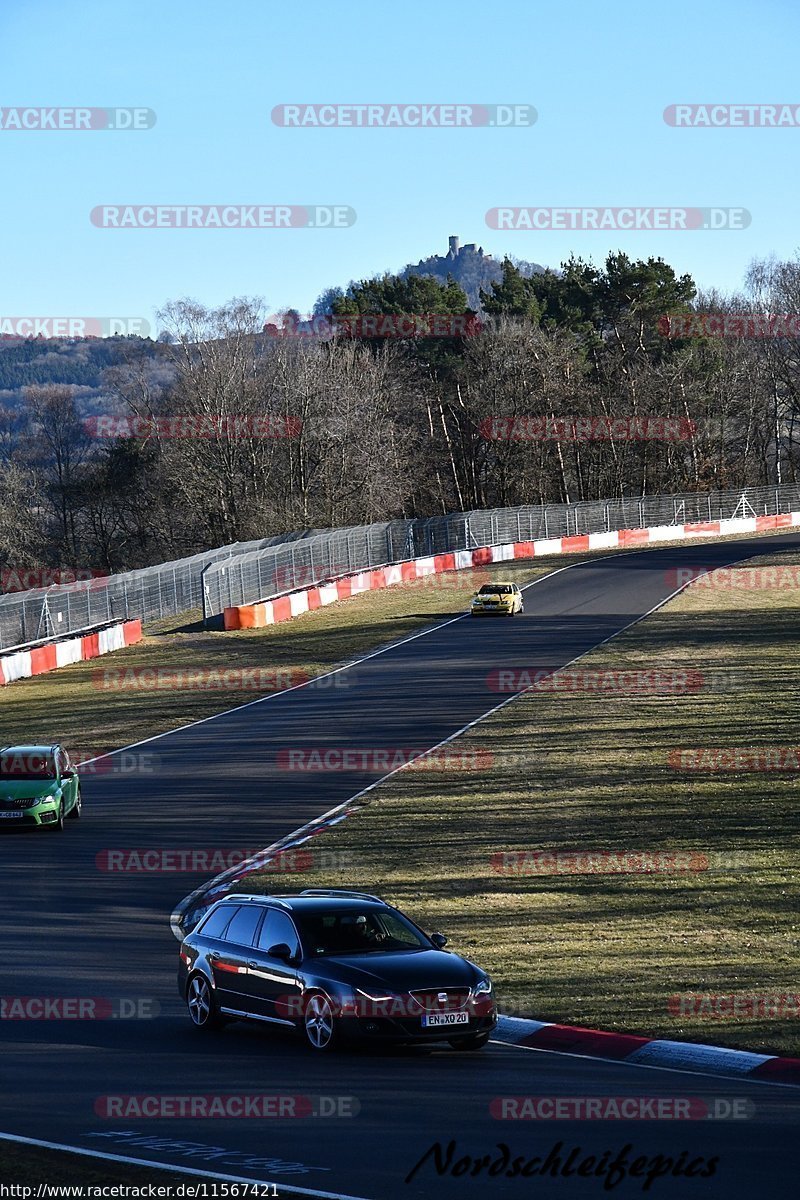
{"type": "Point", "coordinates": [341, 892]}
{"type": "Point", "coordinates": [258, 896]}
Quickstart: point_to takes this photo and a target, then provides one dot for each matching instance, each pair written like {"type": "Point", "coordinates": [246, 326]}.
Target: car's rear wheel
{"type": "Point", "coordinates": [319, 1024]}
{"type": "Point", "coordinates": [473, 1041]}
{"type": "Point", "coordinates": [75, 811]}
{"type": "Point", "coordinates": [202, 1004]}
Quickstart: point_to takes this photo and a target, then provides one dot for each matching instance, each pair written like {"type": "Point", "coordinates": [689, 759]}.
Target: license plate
{"type": "Point", "coordinates": [10, 814]}
{"type": "Point", "coordinates": [432, 1019]}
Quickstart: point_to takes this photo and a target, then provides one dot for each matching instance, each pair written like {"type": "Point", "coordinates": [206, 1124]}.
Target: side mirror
{"type": "Point", "coordinates": [439, 940]}
{"type": "Point", "coordinates": [281, 951]}
{"type": "Point", "coordinates": [70, 774]}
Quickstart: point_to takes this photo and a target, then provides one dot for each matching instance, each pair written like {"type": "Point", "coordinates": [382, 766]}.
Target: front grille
{"type": "Point", "coordinates": [442, 999]}
{"type": "Point", "coordinates": [14, 802]}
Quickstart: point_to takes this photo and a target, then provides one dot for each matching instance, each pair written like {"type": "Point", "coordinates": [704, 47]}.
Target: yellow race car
{"type": "Point", "coordinates": [497, 599]}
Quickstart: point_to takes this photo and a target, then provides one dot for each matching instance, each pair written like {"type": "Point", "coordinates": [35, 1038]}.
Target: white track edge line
{"type": "Point", "coordinates": [174, 1167]}
{"type": "Point", "coordinates": [623, 1062]}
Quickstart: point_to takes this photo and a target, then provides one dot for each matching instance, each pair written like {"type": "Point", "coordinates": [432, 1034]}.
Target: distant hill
{"type": "Point", "coordinates": [469, 267]}
{"type": "Point", "coordinates": [79, 362]}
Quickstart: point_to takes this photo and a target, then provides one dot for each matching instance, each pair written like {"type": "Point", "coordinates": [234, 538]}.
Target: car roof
{"type": "Point", "coordinates": [297, 902]}
{"type": "Point", "coordinates": [28, 749]}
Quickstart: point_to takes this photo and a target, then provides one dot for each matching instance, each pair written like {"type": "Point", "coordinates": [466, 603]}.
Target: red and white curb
{"type": "Point", "coordinates": [647, 1052]}
{"type": "Point", "coordinates": [24, 664]}
{"type": "Point", "coordinates": [261, 613]}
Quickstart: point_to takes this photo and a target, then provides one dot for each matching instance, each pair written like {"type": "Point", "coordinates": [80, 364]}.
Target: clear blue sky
{"type": "Point", "coordinates": [599, 76]}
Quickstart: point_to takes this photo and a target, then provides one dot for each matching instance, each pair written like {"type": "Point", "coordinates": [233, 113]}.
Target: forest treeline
{"type": "Point", "coordinates": [288, 430]}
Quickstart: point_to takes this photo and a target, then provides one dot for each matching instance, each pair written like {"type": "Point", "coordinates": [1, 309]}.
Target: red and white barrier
{"type": "Point", "coordinates": [269, 612]}
{"type": "Point", "coordinates": [23, 664]}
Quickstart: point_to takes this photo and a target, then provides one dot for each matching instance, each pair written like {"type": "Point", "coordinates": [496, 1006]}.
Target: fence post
{"type": "Point", "coordinates": [203, 593]}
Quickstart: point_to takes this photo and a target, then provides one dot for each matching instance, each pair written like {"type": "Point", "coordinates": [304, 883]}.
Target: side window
{"type": "Point", "coordinates": [63, 762]}
{"type": "Point", "coordinates": [278, 928]}
{"type": "Point", "coordinates": [243, 926]}
{"type": "Point", "coordinates": [215, 922]}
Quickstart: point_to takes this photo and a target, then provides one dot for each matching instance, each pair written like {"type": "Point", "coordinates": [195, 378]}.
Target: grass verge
{"type": "Point", "coordinates": [579, 772]}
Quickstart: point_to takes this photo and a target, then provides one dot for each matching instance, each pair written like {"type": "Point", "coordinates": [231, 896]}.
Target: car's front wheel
{"type": "Point", "coordinates": [202, 1004]}
{"type": "Point", "coordinates": [58, 824]}
{"type": "Point", "coordinates": [473, 1041]}
{"type": "Point", "coordinates": [75, 811]}
{"type": "Point", "coordinates": [319, 1023]}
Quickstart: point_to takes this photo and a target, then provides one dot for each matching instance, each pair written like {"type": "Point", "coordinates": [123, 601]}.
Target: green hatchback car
{"type": "Point", "coordinates": [38, 786]}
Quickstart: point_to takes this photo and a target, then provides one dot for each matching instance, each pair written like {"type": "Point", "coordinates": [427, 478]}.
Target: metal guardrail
{"type": "Point", "coordinates": [266, 573]}
{"type": "Point", "coordinates": [150, 594]}
{"type": "Point", "coordinates": [245, 572]}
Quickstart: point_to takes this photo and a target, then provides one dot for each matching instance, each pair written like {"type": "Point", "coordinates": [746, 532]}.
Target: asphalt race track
{"type": "Point", "coordinates": [70, 929]}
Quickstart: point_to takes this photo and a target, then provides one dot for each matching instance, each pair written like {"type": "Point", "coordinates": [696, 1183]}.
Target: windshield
{"type": "Point", "coordinates": [27, 766]}
{"type": "Point", "coordinates": [357, 931]}
{"type": "Point", "coordinates": [495, 589]}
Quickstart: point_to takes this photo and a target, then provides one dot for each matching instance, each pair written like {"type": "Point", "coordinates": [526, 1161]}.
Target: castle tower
{"type": "Point", "coordinates": [453, 251]}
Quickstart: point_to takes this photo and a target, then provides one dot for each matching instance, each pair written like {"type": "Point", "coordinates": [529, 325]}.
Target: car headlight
{"type": "Point", "coordinates": [483, 987]}
{"type": "Point", "coordinates": [34, 800]}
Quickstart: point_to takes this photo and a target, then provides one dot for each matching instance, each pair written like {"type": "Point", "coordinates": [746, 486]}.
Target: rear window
{"type": "Point", "coordinates": [215, 922]}
{"type": "Point", "coordinates": [242, 928]}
